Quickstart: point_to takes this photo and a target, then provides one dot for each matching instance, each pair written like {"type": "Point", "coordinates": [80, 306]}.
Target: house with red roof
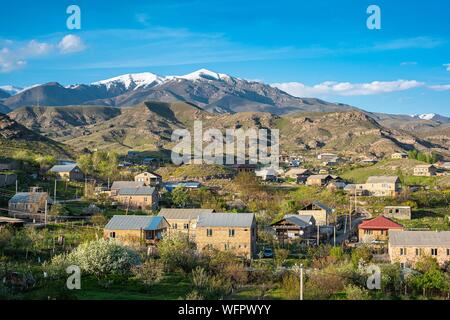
{"type": "Point", "coordinates": [377, 229]}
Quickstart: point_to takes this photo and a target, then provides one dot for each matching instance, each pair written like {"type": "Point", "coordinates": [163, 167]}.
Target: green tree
{"type": "Point", "coordinates": [180, 197]}
{"type": "Point", "coordinates": [177, 252]}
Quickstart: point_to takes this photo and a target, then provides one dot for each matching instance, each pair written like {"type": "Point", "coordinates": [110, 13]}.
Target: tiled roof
{"type": "Point", "coordinates": [187, 214]}
{"type": "Point", "coordinates": [420, 238]}
{"type": "Point", "coordinates": [63, 168]}
{"type": "Point", "coordinates": [226, 220]}
{"type": "Point", "coordinates": [382, 179]}
{"type": "Point", "coordinates": [146, 223]}
{"type": "Point", "coordinates": [380, 222]}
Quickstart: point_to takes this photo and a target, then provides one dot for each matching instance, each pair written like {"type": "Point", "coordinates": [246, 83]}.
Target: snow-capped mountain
{"type": "Point", "coordinates": [132, 81]}
{"type": "Point", "coordinates": [11, 90]}
{"type": "Point", "coordinates": [431, 117]}
{"type": "Point", "coordinates": [210, 90]}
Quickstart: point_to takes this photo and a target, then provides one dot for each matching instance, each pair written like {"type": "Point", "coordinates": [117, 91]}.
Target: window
{"type": "Point", "coordinates": [448, 252]}
{"type": "Point", "coordinates": [418, 251]}
{"type": "Point", "coordinates": [186, 226]}
{"type": "Point", "coordinates": [403, 251]}
{"type": "Point", "coordinates": [367, 231]}
{"type": "Point", "coordinates": [112, 235]}
{"type": "Point", "coordinates": [209, 232]}
{"type": "Point", "coordinates": [231, 232]}
{"type": "Point", "coordinates": [226, 246]}
{"type": "Point", "coordinates": [434, 252]}
{"type": "Point", "coordinates": [175, 226]}
{"type": "Point", "coordinates": [382, 232]}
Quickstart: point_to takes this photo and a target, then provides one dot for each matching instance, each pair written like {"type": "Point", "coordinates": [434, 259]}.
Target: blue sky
{"type": "Point", "coordinates": [308, 48]}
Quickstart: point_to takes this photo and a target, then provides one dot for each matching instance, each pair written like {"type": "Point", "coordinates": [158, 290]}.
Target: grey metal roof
{"type": "Point", "coordinates": [226, 220]}
{"type": "Point", "coordinates": [300, 220]}
{"type": "Point", "coordinates": [382, 179]}
{"type": "Point", "coordinates": [126, 184]}
{"type": "Point", "coordinates": [318, 204]}
{"type": "Point", "coordinates": [185, 214]}
{"type": "Point", "coordinates": [319, 176]}
{"type": "Point", "coordinates": [419, 238]}
{"type": "Point", "coordinates": [140, 191]}
{"type": "Point", "coordinates": [148, 174]}
{"type": "Point", "coordinates": [147, 223]}
{"type": "Point", "coordinates": [64, 167]}
{"type": "Point", "coordinates": [29, 197]}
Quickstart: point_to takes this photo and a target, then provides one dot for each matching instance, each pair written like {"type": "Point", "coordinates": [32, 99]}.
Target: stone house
{"type": "Point", "coordinates": [29, 205]}
{"type": "Point", "coordinates": [377, 229]}
{"type": "Point", "coordinates": [399, 155]}
{"type": "Point", "coordinates": [383, 186]}
{"type": "Point", "coordinates": [117, 185]}
{"type": "Point", "coordinates": [136, 229]}
{"type": "Point", "coordinates": [294, 227]}
{"type": "Point", "coordinates": [149, 179]}
{"type": "Point", "coordinates": [319, 180]}
{"type": "Point", "coordinates": [183, 220]}
{"type": "Point", "coordinates": [68, 172]}
{"type": "Point", "coordinates": [227, 232]}
{"type": "Point", "coordinates": [140, 198]}
{"type": "Point", "coordinates": [425, 170]}
{"type": "Point", "coordinates": [398, 212]}
{"type": "Point", "coordinates": [408, 247]}
{"type": "Point", "coordinates": [320, 212]}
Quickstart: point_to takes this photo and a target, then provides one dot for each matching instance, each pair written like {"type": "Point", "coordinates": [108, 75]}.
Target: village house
{"type": "Point", "coordinates": [136, 229]}
{"type": "Point", "coordinates": [398, 212]}
{"type": "Point", "coordinates": [318, 180]}
{"type": "Point", "coordinates": [117, 185]}
{"type": "Point", "coordinates": [140, 198]}
{"type": "Point", "coordinates": [399, 155]}
{"type": "Point", "coordinates": [377, 229]}
{"type": "Point", "coordinates": [294, 227]}
{"type": "Point", "coordinates": [29, 205]}
{"type": "Point", "coordinates": [68, 172]}
{"type": "Point", "coordinates": [6, 165]}
{"type": "Point", "coordinates": [7, 179]}
{"type": "Point", "coordinates": [149, 179]}
{"type": "Point", "coordinates": [294, 173]}
{"type": "Point", "coordinates": [320, 212]}
{"type": "Point", "coordinates": [425, 170]}
{"type": "Point", "coordinates": [408, 247]}
{"type": "Point", "coordinates": [383, 186]}
{"type": "Point", "coordinates": [244, 168]}
{"type": "Point", "coordinates": [227, 232]}
{"type": "Point", "coordinates": [183, 220]}
{"type": "Point", "coordinates": [267, 174]}
{"type": "Point", "coordinates": [358, 189]}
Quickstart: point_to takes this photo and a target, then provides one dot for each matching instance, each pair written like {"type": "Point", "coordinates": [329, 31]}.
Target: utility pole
{"type": "Point", "coordinates": [318, 235]}
{"type": "Point", "coordinates": [54, 194]}
{"type": "Point", "coordinates": [45, 214]}
{"type": "Point", "coordinates": [334, 235]}
{"type": "Point", "coordinates": [301, 282]}
{"type": "Point", "coordinates": [17, 185]}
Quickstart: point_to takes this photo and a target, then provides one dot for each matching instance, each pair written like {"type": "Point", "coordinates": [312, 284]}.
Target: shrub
{"type": "Point", "coordinates": [194, 295]}
{"type": "Point", "coordinates": [291, 286]}
{"type": "Point", "coordinates": [149, 273]}
{"type": "Point", "coordinates": [103, 257]}
{"type": "Point", "coordinates": [177, 252]}
{"type": "Point", "coordinates": [280, 256]}
{"type": "Point", "coordinates": [356, 293]}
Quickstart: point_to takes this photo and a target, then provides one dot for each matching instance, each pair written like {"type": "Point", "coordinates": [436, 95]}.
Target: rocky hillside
{"type": "Point", "coordinates": [148, 126]}
{"type": "Point", "coordinates": [14, 137]}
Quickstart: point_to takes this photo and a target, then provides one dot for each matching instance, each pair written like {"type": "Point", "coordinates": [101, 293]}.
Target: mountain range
{"type": "Point", "coordinates": [211, 91]}
{"type": "Point", "coordinates": [140, 111]}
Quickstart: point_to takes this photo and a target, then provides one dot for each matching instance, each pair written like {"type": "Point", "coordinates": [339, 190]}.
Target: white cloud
{"type": "Point", "coordinates": [447, 66]}
{"type": "Point", "coordinates": [440, 87]}
{"type": "Point", "coordinates": [14, 56]}
{"type": "Point", "coordinates": [346, 88]}
{"type": "Point", "coordinates": [409, 63]}
{"type": "Point", "coordinates": [71, 44]}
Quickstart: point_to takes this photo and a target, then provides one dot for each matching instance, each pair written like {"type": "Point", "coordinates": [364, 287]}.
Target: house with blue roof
{"type": "Point", "coordinates": [131, 229]}
{"type": "Point", "coordinates": [191, 185]}
{"type": "Point", "coordinates": [68, 172]}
